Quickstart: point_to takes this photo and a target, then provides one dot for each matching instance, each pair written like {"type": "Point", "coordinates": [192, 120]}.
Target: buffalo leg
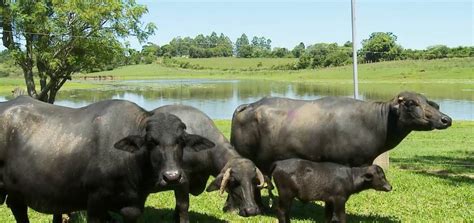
{"type": "Point", "coordinates": [340, 210]}
{"type": "Point", "coordinates": [96, 211]}
{"type": "Point", "coordinates": [284, 207]}
{"type": "Point", "coordinates": [181, 213]}
{"type": "Point", "coordinates": [19, 209]}
{"type": "Point", "coordinates": [57, 218]}
{"type": "Point", "coordinates": [328, 211]}
{"type": "Point", "coordinates": [258, 200]}
{"type": "Point", "coordinates": [130, 214]}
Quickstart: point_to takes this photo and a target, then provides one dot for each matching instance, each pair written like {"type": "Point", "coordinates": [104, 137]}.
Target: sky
{"type": "Point", "coordinates": [417, 23]}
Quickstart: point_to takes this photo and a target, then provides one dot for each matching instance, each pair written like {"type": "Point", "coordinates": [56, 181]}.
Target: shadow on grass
{"type": "Point", "coordinates": [166, 215]}
{"type": "Point", "coordinates": [315, 213]}
{"type": "Point", "coordinates": [454, 169]}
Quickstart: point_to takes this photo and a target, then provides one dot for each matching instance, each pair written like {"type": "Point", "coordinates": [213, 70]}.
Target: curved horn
{"type": "Point", "coordinates": [224, 181]}
{"type": "Point", "coordinates": [261, 179]}
{"type": "Point", "coordinates": [400, 99]}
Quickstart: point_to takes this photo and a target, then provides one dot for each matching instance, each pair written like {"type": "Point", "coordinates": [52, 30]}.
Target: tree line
{"type": "Point", "coordinates": [380, 46]}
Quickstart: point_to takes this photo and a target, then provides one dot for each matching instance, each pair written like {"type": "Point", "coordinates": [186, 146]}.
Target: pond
{"type": "Point", "coordinates": [219, 98]}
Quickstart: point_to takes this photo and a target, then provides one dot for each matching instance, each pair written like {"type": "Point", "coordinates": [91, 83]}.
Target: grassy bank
{"type": "Point", "coordinates": [455, 70]}
{"type": "Point", "coordinates": [451, 78]}
{"type": "Point", "coordinates": [431, 173]}
{"type": "Point", "coordinates": [232, 63]}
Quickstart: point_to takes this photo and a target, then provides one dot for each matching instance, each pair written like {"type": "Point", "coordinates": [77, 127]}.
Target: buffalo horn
{"type": "Point", "coordinates": [225, 180]}
{"type": "Point", "coordinates": [261, 179]}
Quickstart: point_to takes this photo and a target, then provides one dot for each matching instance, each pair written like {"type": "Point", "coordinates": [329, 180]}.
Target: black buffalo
{"type": "Point", "coordinates": [332, 129]}
{"type": "Point", "coordinates": [329, 182]}
{"type": "Point", "coordinates": [107, 156]}
{"type": "Point", "coordinates": [233, 173]}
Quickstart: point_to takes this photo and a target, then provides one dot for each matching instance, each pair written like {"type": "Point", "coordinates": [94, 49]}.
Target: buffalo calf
{"type": "Point", "coordinates": [328, 182]}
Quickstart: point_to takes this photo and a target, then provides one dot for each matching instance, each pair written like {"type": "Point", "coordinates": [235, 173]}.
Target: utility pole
{"type": "Point", "coordinates": [354, 52]}
{"type": "Point", "coordinates": [383, 159]}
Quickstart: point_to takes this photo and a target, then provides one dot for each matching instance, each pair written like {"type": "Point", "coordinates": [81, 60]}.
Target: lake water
{"type": "Point", "coordinates": [219, 98]}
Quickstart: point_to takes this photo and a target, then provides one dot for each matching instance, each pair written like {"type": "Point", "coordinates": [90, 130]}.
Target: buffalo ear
{"type": "Point", "coordinates": [368, 177]}
{"type": "Point", "coordinates": [198, 143]}
{"type": "Point", "coordinates": [130, 143]}
{"type": "Point", "coordinates": [215, 184]}
{"type": "Point", "coordinates": [433, 104]}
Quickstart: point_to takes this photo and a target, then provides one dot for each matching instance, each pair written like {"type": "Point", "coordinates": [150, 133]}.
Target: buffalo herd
{"type": "Point", "coordinates": [109, 156]}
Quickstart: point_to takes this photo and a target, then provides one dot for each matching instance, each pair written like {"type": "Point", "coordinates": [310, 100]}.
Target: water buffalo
{"type": "Point", "coordinates": [232, 172]}
{"type": "Point", "coordinates": [107, 156]}
{"type": "Point", "coordinates": [329, 182]}
{"type": "Point", "coordinates": [333, 129]}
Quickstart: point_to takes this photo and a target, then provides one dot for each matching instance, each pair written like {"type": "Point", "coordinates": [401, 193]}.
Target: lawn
{"type": "Point", "coordinates": [432, 174]}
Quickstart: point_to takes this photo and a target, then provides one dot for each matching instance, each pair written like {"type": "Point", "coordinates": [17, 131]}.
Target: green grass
{"type": "Point", "coordinates": [436, 77]}
{"type": "Point", "coordinates": [418, 71]}
{"type": "Point", "coordinates": [429, 172]}
{"type": "Point", "coordinates": [232, 63]}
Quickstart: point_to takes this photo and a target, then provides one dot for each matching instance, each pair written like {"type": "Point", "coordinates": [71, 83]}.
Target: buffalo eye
{"type": "Point", "coordinates": [410, 103]}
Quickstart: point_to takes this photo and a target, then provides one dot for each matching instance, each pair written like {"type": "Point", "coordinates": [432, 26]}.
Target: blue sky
{"type": "Point", "coordinates": [417, 23]}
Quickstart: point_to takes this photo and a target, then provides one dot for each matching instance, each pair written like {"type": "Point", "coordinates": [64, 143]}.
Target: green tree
{"type": "Point", "coordinates": [380, 46]}
{"type": "Point", "coordinates": [319, 53]}
{"type": "Point", "coordinates": [298, 50]}
{"type": "Point", "coordinates": [150, 53]}
{"type": "Point", "coordinates": [52, 39]}
{"type": "Point", "coordinates": [437, 52]}
{"type": "Point", "coordinates": [242, 47]}
{"type": "Point", "coordinates": [280, 52]}
{"type": "Point", "coordinates": [225, 46]}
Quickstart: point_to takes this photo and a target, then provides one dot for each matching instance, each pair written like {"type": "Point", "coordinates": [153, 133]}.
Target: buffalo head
{"type": "Point", "coordinates": [240, 178]}
{"type": "Point", "coordinates": [416, 112]}
{"type": "Point", "coordinates": [163, 142]}
{"type": "Point", "coordinates": [374, 177]}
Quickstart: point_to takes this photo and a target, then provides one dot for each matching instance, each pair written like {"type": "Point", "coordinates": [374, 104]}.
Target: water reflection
{"type": "Point", "coordinates": [219, 98]}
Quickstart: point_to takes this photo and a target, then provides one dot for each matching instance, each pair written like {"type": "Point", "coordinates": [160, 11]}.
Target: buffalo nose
{"type": "Point", "coordinates": [245, 212]}
{"type": "Point", "coordinates": [387, 187]}
{"type": "Point", "coordinates": [446, 120]}
{"type": "Point", "coordinates": [170, 176]}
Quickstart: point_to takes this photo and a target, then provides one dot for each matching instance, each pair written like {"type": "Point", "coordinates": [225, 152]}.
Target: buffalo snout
{"type": "Point", "coordinates": [446, 120]}
{"type": "Point", "coordinates": [442, 122]}
{"type": "Point", "coordinates": [387, 187]}
{"type": "Point", "coordinates": [249, 211]}
{"type": "Point", "coordinates": [172, 176]}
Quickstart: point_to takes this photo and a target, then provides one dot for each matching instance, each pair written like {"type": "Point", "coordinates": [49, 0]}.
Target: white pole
{"type": "Point", "coordinates": [354, 52]}
{"type": "Point", "coordinates": [383, 159]}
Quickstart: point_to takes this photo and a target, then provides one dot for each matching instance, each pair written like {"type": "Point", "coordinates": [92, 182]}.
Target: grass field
{"type": "Point", "coordinates": [432, 175]}
{"type": "Point", "coordinates": [432, 75]}
{"type": "Point", "coordinates": [232, 63]}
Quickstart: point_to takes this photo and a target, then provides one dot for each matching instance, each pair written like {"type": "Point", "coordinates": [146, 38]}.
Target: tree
{"type": "Point", "coordinates": [298, 50]}
{"type": "Point", "coordinates": [381, 46]}
{"type": "Point", "coordinates": [280, 52]}
{"type": "Point", "coordinates": [242, 47]}
{"type": "Point", "coordinates": [437, 52]}
{"type": "Point", "coordinates": [53, 39]}
{"type": "Point", "coordinates": [150, 53]}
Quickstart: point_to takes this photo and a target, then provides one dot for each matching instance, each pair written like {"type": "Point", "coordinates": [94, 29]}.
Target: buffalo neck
{"type": "Point", "coordinates": [358, 182]}
{"type": "Point", "coordinates": [221, 155]}
{"type": "Point", "coordinates": [396, 132]}
{"type": "Point", "coordinates": [140, 170]}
